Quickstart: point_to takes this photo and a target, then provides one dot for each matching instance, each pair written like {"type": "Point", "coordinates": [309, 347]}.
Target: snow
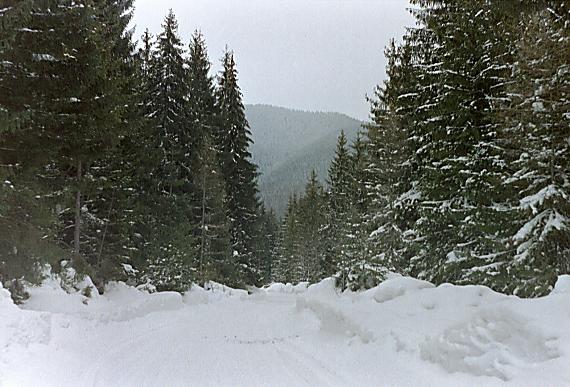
{"type": "Point", "coordinates": [554, 221]}
{"type": "Point", "coordinates": [562, 285]}
{"type": "Point", "coordinates": [403, 332]}
{"type": "Point", "coordinates": [397, 287]}
{"type": "Point", "coordinates": [129, 270]}
{"type": "Point", "coordinates": [452, 257]}
{"type": "Point", "coordinates": [538, 107]}
{"type": "Point", "coordinates": [492, 342]}
{"type": "Point", "coordinates": [44, 57]}
{"type": "Point", "coordinates": [535, 201]}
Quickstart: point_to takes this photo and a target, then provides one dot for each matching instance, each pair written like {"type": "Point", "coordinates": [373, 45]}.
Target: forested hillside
{"type": "Point", "coordinates": [289, 144]}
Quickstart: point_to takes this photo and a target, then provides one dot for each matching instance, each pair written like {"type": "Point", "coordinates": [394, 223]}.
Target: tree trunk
{"type": "Point", "coordinates": [99, 257]}
{"type": "Point", "coordinates": [203, 227]}
{"type": "Point", "coordinates": [77, 228]}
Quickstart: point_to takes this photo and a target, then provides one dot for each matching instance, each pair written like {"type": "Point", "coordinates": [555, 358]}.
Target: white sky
{"type": "Point", "coordinates": [323, 55]}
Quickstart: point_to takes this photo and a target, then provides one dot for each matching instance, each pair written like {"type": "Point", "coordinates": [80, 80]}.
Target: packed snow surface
{"type": "Point", "coordinates": [404, 332]}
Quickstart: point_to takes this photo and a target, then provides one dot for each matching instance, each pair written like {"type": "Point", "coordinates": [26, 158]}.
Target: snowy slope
{"type": "Point", "coordinates": [403, 333]}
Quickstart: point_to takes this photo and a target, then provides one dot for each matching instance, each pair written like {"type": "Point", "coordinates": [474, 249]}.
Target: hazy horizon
{"type": "Point", "coordinates": [288, 51]}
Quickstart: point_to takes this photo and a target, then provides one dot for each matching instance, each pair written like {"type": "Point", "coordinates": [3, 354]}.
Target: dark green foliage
{"type": "Point", "coordinates": [303, 240]}
{"type": "Point", "coordinates": [201, 98]}
{"type": "Point", "coordinates": [63, 81]}
{"type": "Point", "coordinates": [360, 276]}
{"type": "Point", "coordinates": [168, 202]}
{"type": "Point", "coordinates": [240, 174]}
{"type": "Point", "coordinates": [467, 153]}
{"type": "Point", "coordinates": [389, 172]}
{"type": "Point", "coordinates": [112, 159]}
{"type": "Point", "coordinates": [538, 128]}
{"type": "Point", "coordinates": [265, 245]}
{"type": "Point", "coordinates": [215, 252]}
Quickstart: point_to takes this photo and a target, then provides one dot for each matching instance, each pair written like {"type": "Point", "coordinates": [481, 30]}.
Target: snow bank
{"type": "Point", "coordinates": [120, 302]}
{"type": "Point", "coordinates": [196, 295]}
{"type": "Point", "coordinates": [397, 287]}
{"type": "Point", "coordinates": [221, 291]}
{"type": "Point", "coordinates": [333, 320]}
{"type": "Point", "coordinates": [214, 292]}
{"type": "Point", "coordinates": [492, 343]}
{"type": "Point", "coordinates": [5, 298]}
{"type": "Point", "coordinates": [123, 303]}
{"type": "Point", "coordinates": [324, 289]}
{"type": "Point", "coordinates": [7, 312]}
{"type": "Point", "coordinates": [279, 288]}
{"type": "Point", "coordinates": [301, 287]}
{"type": "Point", "coordinates": [402, 332]}
{"type": "Point", "coordinates": [51, 297]}
{"type": "Point", "coordinates": [562, 285]}
{"type": "Point", "coordinates": [19, 328]}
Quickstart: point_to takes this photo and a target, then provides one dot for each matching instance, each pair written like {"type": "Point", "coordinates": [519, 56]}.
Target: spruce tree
{"type": "Point", "coordinates": [202, 100]}
{"type": "Point", "coordinates": [214, 262]}
{"type": "Point", "coordinates": [285, 268]}
{"type": "Point", "coordinates": [107, 230]}
{"type": "Point", "coordinates": [240, 174]}
{"type": "Point", "coordinates": [339, 210]}
{"type": "Point", "coordinates": [390, 167]}
{"type": "Point", "coordinates": [168, 227]}
{"type": "Point", "coordinates": [70, 113]}
{"type": "Point", "coordinates": [537, 128]}
{"type": "Point", "coordinates": [461, 55]}
{"type": "Point", "coordinates": [266, 237]}
{"type": "Point", "coordinates": [145, 54]}
{"type": "Point", "coordinates": [312, 222]}
{"type": "Point", "coordinates": [445, 174]}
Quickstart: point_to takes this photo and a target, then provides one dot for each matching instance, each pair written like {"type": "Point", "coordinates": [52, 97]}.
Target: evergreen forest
{"type": "Point", "coordinates": [127, 158]}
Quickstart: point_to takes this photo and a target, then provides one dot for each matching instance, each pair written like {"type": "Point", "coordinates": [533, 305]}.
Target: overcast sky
{"type": "Point", "coordinates": [319, 55]}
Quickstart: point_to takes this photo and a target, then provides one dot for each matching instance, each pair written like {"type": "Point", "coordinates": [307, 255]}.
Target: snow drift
{"type": "Point", "coordinates": [403, 332]}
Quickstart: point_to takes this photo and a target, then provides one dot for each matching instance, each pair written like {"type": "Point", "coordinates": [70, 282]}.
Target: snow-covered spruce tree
{"type": "Point", "coordinates": [285, 268]}
{"type": "Point", "coordinates": [143, 154]}
{"type": "Point", "coordinates": [360, 176]}
{"type": "Point", "coordinates": [107, 217]}
{"type": "Point", "coordinates": [134, 195]}
{"type": "Point", "coordinates": [344, 238]}
{"type": "Point", "coordinates": [65, 129]}
{"type": "Point", "coordinates": [339, 205]}
{"type": "Point", "coordinates": [213, 207]}
{"type": "Point", "coordinates": [265, 243]}
{"type": "Point", "coordinates": [367, 268]}
{"type": "Point", "coordinates": [145, 55]}
{"type": "Point", "coordinates": [202, 100]}
{"type": "Point", "coordinates": [215, 253]}
{"type": "Point", "coordinates": [462, 55]}
{"type": "Point", "coordinates": [167, 106]}
{"type": "Point", "coordinates": [390, 185]}
{"type": "Point", "coordinates": [167, 223]}
{"type": "Point", "coordinates": [240, 174]}
{"type": "Point", "coordinates": [311, 218]}
{"type": "Point", "coordinates": [25, 217]}
{"type": "Point", "coordinates": [538, 125]}
{"type": "Point", "coordinates": [303, 241]}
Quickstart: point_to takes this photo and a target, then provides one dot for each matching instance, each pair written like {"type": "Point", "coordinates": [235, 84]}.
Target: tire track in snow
{"type": "Point", "coordinates": [123, 350]}
{"type": "Point", "coordinates": [307, 367]}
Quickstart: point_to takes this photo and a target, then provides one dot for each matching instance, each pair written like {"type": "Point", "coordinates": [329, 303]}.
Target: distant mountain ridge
{"type": "Point", "coordinates": [289, 143]}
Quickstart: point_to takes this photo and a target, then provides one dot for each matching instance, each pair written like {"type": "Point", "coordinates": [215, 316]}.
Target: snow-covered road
{"type": "Point", "coordinates": [403, 333]}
